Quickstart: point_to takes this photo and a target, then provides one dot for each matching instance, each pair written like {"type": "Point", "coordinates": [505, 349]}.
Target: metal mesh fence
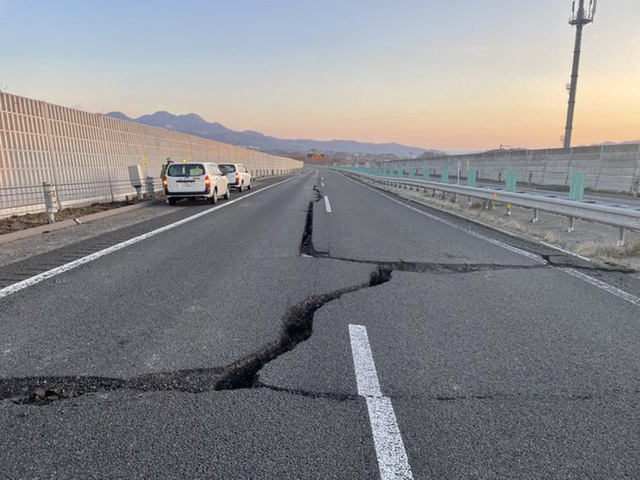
{"type": "Point", "coordinates": [86, 156]}
{"type": "Point", "coordinates": [612, 168]}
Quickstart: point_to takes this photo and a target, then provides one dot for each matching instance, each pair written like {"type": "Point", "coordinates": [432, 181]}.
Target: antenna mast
{"type": "Point", "coordinates": [580, 18]}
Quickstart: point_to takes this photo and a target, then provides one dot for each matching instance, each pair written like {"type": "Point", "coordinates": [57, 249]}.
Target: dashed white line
{"type": "Point", "coordinates": [16, 287]}
{"type": "Point", "coordinates": [327, 205]}
{"type": "Point", "coordinates": [393, 462]}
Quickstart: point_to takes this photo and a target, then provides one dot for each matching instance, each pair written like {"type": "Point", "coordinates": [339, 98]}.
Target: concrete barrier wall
{"type": "Point", "coordinates": [86, 156]}
{"type": "Point", "coordinates": [612, 168]}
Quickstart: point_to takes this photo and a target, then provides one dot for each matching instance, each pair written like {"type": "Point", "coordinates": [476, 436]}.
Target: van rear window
{"type": "Point", "coordinates": [227, 168]}
{"type": "Point", "coordinates": [188, 170]}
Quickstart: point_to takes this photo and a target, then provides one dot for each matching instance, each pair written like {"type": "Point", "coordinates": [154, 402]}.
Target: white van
{"type": "Point", "coordinates": [237, 174]}
{"type": "Point", "coordinates": [195, 180]}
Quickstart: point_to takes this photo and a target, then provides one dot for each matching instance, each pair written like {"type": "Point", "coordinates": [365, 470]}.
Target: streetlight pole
{"type": "Point", "coordinates": [579, 20]}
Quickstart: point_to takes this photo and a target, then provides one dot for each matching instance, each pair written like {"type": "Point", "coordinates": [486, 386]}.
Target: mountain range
{"type": "Point", "coordinates": [195, 125]}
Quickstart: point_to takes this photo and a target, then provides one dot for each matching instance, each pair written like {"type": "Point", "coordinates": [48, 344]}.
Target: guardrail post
{"type": "Point", "coordinates": [535, 216]}
{"type": "Point", "coordinates": [50, 201]}
{"type": "Point", "coordinates": [621, 232]}
{"type": "Point", "coordinates": [572, 224]}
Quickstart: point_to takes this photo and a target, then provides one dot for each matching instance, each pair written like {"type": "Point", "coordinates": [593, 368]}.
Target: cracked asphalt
{"type": "Point", "coordinates": [220, 348]}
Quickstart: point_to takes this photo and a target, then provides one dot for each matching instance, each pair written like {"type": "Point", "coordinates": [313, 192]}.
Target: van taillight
{"type": "Point", "coordinates": [237, 177]}
{"type": "Point", "coordinates": [207, 181]}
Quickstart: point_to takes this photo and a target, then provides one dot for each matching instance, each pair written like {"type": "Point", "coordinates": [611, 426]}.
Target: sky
{"type": "Point", "coordinates": [460, 75]}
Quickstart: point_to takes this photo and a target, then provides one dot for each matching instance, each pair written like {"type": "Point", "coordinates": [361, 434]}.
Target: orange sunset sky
{"type": "Point", "coordinates": [455, 76]}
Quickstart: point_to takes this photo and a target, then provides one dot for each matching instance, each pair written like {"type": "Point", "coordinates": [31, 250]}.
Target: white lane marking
{"type": "Point", "coordinates": [392, 457]}
{"type": "Point", "coordinates": [366, 375]}
{"type": "Point", "coordinates": [322, 184]}
{"type": "Point", "coordinates": [327, 205]}
{"type": "Point", "coordinates": [16, 287]}
{"type": "Point", "coordinates": [524, 253]}
{"type": "Point", "coordinates": [597, 283]}
{"type": "Point", "coordinates": [604, 286]}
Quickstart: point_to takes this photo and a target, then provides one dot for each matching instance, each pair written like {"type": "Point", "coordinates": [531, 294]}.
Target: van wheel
{"type": "Point", "coordinates": [173, 201]}
{"type": "Point", "coordinates": [214, 198]}
{"type": "Point", "coordinates": [228, 194]}
{"type": "Point", "coordinates": [241, 187]}
{"type": "Point", "coordinates": [249, 186]}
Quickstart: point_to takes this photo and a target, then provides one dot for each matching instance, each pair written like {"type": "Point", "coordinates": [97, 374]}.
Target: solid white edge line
{"type": "Point", "coordinates": [16, 287]}
{"type": "Point", "coordinates": [597, 283]}
{"type": "Point", "coordinates": [603, 286]}
{"type": "Point", "coordinates": [524, 253]}
{"type": "Point", "coordinates": [327, 205]}
{"type": "Point", "coordinates": [393, 462]}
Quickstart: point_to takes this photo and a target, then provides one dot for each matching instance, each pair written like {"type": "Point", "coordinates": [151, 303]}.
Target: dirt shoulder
{"type": "Point", "coordinates": [16, 223]}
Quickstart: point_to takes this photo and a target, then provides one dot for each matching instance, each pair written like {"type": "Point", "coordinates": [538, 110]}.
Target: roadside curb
{"type": "Point", "coordinates": [52, 227]}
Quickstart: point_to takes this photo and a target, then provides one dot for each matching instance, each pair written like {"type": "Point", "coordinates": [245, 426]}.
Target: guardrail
{"type": "Point", "coordinates": [621, 217]}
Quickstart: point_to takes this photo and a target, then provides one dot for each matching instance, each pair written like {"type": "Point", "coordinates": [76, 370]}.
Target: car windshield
{"type": "Point", "coordinates": [185, 170]}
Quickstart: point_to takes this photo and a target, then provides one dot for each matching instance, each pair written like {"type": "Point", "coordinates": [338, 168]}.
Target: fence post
{"type": "Point", "coordinates": [50, 145]}
{"type": "Point", "coordinates": [635, 181]}
{"type": "Point", "coordinates": [595, 187]}
{"type": "Point", "coordinates": [50, 201]}
{"type": "Point", "coordinates": [150, 191]}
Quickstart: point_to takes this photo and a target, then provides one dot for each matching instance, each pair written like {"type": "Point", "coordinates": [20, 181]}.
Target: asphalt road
{"type": "Point", "coordinates": [316, 328]}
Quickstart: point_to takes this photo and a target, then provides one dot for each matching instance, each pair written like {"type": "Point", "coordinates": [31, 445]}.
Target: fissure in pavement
{"type": "Point", "coordinates": [297, 326]}
{"type": "Point", "coordinates": [306, 245]}
{"type": "Point", "coordinates": [43, 390]}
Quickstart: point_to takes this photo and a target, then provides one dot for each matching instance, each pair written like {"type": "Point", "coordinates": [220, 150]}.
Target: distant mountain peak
{"type": "Point", "coordinates": [119, 116]}
{"type": "Point", "coordinates": [194, 124]}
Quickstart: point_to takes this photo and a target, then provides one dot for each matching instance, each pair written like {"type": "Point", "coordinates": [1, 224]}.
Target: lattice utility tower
{"type": "Point", "coordinates": [579, 18]}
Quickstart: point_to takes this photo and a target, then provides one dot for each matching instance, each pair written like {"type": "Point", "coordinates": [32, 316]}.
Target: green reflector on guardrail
{"type": "Point", "coordinates": [444, 175]}
{"type": "Point", "coordinates": [511, 180]}
{"type": "Point", "coordinates": [576, 188]}
{"type": "Point", "coordinates": [471, 177]}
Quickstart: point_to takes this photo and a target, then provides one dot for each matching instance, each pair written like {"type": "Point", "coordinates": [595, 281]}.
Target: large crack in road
{"type": "Point", "coordinates": [296, 327]}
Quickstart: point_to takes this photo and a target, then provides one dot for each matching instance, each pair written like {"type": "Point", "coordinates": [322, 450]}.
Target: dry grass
{"type": "Point", "coordinates": [608, 250]}
{"type": "Point", "coordinates": [28, 220]}
{"type": "Point", "coordinates": [611, 253]}
{"type": "Point", "coordinates": [551, 237]}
